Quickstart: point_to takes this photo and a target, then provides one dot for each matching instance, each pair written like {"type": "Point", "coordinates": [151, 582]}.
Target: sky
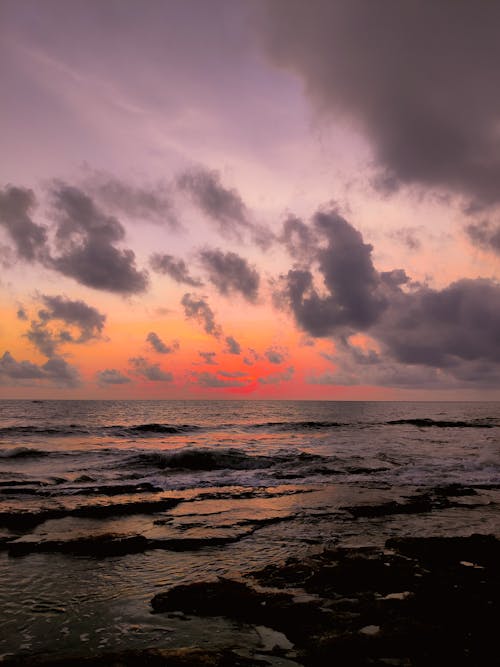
{"type": "Point", "coordinates": [250, 199]}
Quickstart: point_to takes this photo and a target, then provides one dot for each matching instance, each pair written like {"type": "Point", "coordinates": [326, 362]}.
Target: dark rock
{"type": "Point", "coordinates": [29, 519]}
{"type": "Point", "coordinates": [424, 603]}
{"type": "Point", "coordinates": [111, 544]}
{"type": "Point", "coordinates": [152, 657]}
{"type": "Point", "coordinates": [431, 551]}
{"type": "Point", "coordinates": [239, 601]}
{"type": "Point", "coordinates": [454, 490]}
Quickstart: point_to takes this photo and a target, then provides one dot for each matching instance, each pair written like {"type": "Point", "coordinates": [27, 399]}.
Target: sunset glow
{"type": "Point", "coordinates": [238, 199]}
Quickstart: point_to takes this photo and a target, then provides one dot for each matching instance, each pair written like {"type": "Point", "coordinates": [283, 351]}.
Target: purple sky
{"type": "Point", "coordinates": [319, 178]}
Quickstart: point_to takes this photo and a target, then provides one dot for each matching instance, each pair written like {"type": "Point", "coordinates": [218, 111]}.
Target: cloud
{"type": "Point", "coordinates": [417, 79]}
{"type": "Point", "coordinates": [173, 267]}
{"type": "Point", "coordinates": [408, 237]}
{"type": "Point", "coordinates": [275, 355]}
{"type": "Point", "coordinates": [355, 366]}
{"type": "Point", "coordinates": [443, 328]}
{"type": "Point", "coordinates": [86, 239]}
{"type": "Point", "coordinates": [87, 321]}
{"type": "Point", "coordinates": [299, 239]}
{"type": "Point", "coordinates": [251, 357]}
{"type": "Point", "coordinates": [232, 374]}
{"type": "Point", "coordinates": [44, 340]}
{"type": "Point", "coordinates": [16, 206]}
{"type": "Point", "coordinates": [19, 370]}
{"type": "Point", "coordinates": [230, 273]}
{"type": "Point", "coordinates": [354, 296]}
{"type": "Point", "coordinates": [22, 314]}
{"type": "Point", "coordinates": [453, 331]}
{"type": "Point", "coordinates": [233, 347]}
{"type": "Point", "coordinates": [209, 358]}
{"type": "Point", "coordinates": [199, 310]}
{"type": "Point", "coordinates": [153, 203]}
{"type": "Point", "coordinates": [223, 205]}
{"type": "Point", "coordinates": [152, 372]}
{"type": "Point", "coordinates": [56, 370]}
{"type": "Point", "coordinates": [111, 376]}
{"type": "Point", "coordinates": [159, 346]}
{"type": "Point", "coordinates": [485, 235]}
{"type": "Point", "coordinates": [277, 378]}
{"type": "Point", "coordinates": [213, 381]}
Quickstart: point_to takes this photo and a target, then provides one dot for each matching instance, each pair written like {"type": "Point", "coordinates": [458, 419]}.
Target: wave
{"type": "Point", "coordinates": [426, 423]}
{"type": "Point", "coordinates": [155, 428]}
{"type": "Point", "coordinates": [214, 459]}
{"type": "Point", "coordinates": [295, 426]}
{"type": "Point", "coordinates": [115, 429]}
{"type": "Point", "coordinates": [23, 453]}
{"type": "Point", "coordinates": [72, 429]}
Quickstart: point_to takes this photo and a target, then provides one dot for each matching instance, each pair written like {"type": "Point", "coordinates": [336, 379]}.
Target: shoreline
{"type": "Point", "coordinates": [417, 601]}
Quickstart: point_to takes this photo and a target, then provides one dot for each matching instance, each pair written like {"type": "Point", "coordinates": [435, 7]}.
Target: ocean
{"type": "Point", "coordinates": [104, 504]}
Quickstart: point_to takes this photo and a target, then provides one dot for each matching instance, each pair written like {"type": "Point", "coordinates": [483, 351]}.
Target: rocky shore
{"type": "Point", "coordinates": [415, 602]}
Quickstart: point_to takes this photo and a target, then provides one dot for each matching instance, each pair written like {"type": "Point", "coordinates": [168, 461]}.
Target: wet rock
{"type": "Point", "coordinates": [432, 551]}
{"type": "Point", "coordinates": [239, 601]}
{"type": "Point", "coordinates": [413, 603]}
{"type": "Point", "coordinates": [153, 657]}
{"type": "Point", "coordinates": [416, 504]}
{"type": "Point", "coordinates": [29, 519]}
{"type": "Point", "coordinates": [111, 544]}
{"type": "Point", "coordinates": [98, 546]}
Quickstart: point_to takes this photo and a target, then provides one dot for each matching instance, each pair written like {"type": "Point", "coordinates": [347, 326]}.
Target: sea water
{"type": "Point", "coordinates": [106, 503]}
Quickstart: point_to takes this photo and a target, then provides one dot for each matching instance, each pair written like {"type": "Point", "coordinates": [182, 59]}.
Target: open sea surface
{"type": "Point", "coordinates": [103, 504]}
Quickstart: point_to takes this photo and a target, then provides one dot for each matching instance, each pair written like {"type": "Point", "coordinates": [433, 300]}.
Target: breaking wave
{"type": "Point", "coordinates": [214, 459]}
{"type": "Point", "coordinates": [426, 423]}
{"type": "Point", "coordinates": [23, 453]}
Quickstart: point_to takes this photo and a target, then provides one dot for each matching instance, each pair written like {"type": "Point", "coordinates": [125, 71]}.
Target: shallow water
{"type": "Point", "coordinates": [211, 488]}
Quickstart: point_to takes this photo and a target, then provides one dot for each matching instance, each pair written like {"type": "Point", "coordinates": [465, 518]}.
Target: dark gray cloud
{"type": "Point", "coordinates": [142, 367]}
{"type": "Point", "coordinates": [419, 79]}
{"type": "Point", "coordinates": [276, 355]}
{"type": "Point", "coordinates": [174, 267]}
{"type": "Point", "coordinates": [56, 371]}
{"type": "Point", "coordinates": [87, 320]}
{"type": "Point", "coordinates": [453, 332]}
{"type": "Point", "coordinates": [214, 381]}
{"type": "Point", "coordinates": [159, 346]}
{"type": "Point", "coordinates": [16, 207]}
{"type": "Point", "coordinates": [276, 378]}
{"type": "Point", "coordinates": [355, 366]}
{"type": "Point", "coordinates": [22, 314]}
{"type": "Point", "coordinates": [232, 374]}
{"type": "Point", "coordinates": [223, 205]}
{"type": "Point", "coordinates": [209, 358]}
{"type": "Point", "coordinates": [111, 376]}
{"type": "Point", "coordinates": [251, 357]}
{"type": "Point", "coordinates": [153, 203]}
{"type": "Point", "coordinates": [485, 235]}
{"type": "Point", "coordinates": [199, 310]}
{"type": "Point", "coordinates": [44, 340]}
{"type": "Point", "coordinates": [19, 370]}
{"type": "Point", "coordinates": [233, 347]}
{"type": "Point", "coordinates": [354, 294]}
{"type": "Point", "coordinates": [230, 273]}
{"type": "Point", "coordinates": [86, 239]}
{"type": "Point", "coordinates": [299, 239]}
{"type": "Point", "coordinates": [443, 328]}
